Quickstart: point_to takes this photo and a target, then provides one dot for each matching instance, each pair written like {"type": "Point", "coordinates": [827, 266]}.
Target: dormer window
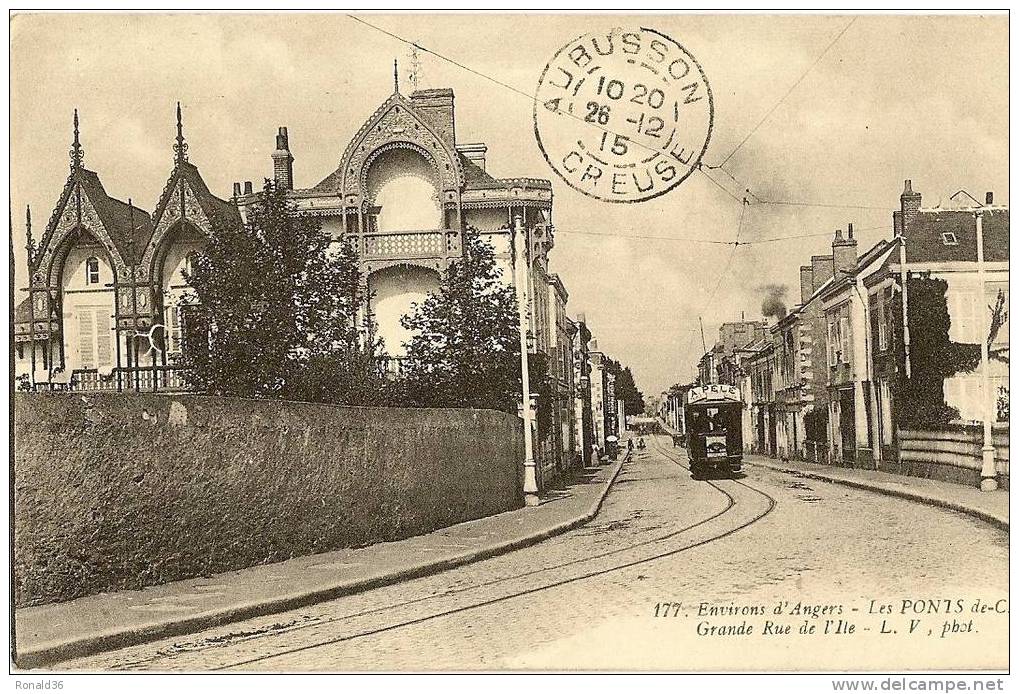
{"type": "Point", "coordinates": [92, 271]}
{"type": "Point", "coordinates": [949, 239]}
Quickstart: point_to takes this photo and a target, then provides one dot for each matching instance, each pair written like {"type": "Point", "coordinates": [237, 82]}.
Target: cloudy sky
{"type": "Point", "coordinates": [924, 98]}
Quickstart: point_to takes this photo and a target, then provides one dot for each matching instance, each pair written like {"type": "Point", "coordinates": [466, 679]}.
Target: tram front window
{"type": "Point", "coordinates": [710, 419]}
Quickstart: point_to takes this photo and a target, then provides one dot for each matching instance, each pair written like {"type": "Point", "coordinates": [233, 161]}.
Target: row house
{"type": "Point", "coordinates": [825, 387]}
{"type": "Point", "coordinates": [869, 333]}
{"type": "Point", "coordinates": [672, 406]}
{"type": "Point", "coordinates": [760, 366]}
{"type": "Point", "coordinates": [583, 420]}
{"type": "Point", "coordinates": [604, 408]}
{"type": "Point", "coordinates": [560, 328]}
{"type": "Point", "coordinates": [720, 364]}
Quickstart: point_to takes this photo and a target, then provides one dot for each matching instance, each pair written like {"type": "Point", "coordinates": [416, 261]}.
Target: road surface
{"type": "Point", "coordinates": [673, 574]}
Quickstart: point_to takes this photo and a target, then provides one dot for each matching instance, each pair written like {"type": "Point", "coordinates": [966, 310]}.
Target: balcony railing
{"type": "Point", "coordinates": [409, 244]}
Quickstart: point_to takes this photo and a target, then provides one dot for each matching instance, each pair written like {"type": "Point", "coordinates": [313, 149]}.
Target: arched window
{"type": "Point", "coordinates": [92, 271]}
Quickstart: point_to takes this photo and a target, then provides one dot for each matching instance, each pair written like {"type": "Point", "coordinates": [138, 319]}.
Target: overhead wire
{"type": "Point", "coordinates": [788, 92]}
{"type": "Point", "coordinates": [533, 100]}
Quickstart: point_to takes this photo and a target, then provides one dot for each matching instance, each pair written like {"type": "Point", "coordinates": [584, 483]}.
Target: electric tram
{"type": "Point", "coordinates": [714, 427]}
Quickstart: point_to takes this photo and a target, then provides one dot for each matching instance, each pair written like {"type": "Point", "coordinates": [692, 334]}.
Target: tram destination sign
{"type": "Point", "coordinates": [714, 391]}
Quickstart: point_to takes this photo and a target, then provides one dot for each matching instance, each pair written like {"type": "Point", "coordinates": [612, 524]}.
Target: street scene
{"type": "Point", "coordinates": [658, 539]}
{"type": "Point", "coordinates": [671, 343]}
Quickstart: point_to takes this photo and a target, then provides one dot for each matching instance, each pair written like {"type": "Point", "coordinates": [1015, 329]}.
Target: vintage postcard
{"type": "Point", "coordinates": [519, 342]}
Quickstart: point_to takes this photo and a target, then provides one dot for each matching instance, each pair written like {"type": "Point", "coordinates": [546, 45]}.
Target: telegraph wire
{"type": "Point", "coordinates": [735, 242]}
{"type": "Point", "coordinates": [701, 168]}
{"type": "Point", "coordinates": [732, 256]}
{"type": "Point", "coordinates": [790, 91]}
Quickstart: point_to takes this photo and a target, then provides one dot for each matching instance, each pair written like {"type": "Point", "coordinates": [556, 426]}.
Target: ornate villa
{"type": "Point", "coordinates": [107, 277]}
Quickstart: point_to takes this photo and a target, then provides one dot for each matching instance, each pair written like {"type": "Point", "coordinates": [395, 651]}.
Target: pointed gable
{"type": "Point", "coordinates": [398, 122]}
{"type": "Point", "coordinates": [85, 206]}
{"type": "Point", "coordinates": [186, 198]}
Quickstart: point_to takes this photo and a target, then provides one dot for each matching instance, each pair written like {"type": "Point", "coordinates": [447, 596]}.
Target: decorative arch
{"type": "Point", "coordinates": [401, 179]}
{"type": "Point", "coordinates": [68, 240]}
{"type": "Point", "coordinates": [65, 227]}
{"type": "Point", "coordinates": [395, 124]}
{"type": "Point", "coordinates": [177, 206]}
{"type": "Point", "coordinates": [179, 229]}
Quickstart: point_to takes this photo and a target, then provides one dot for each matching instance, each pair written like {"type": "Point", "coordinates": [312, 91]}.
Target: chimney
{"type": "Point", "coordinates": [475, 153]}
{"type": "Point", "coordinates": [843, 251]}
{"type": "Point", "coordinates": [247, 188]}
{"type": "Point", "coordinates": [435, 107]}
{"type": "Point", "coordinates": [806, 283]}
{"type": "Point", "coordinates": [910, 203]}
{"type": "Point", "coordinates": [897, 223]}
{"type": "Point", "coordinates": [283, 161]}
{"type": "Point", "coordinates": [822, 268]}
{"type": "Point", "coordinates": [581, 318]}
{"type": "Point", "coordinates": [593, 345]}
{"type": "Point", "coordinates": [237, 189]}
{"type": "Point", "coordinates": [988, 198]}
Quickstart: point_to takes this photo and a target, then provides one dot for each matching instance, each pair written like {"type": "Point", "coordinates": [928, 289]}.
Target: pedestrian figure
{"type": "Point", "coordinates": [595, 454]}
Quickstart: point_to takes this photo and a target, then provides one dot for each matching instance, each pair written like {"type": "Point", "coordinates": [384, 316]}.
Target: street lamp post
{"type": "Point", "coordinates": [988, 469]}
{"type": "Point", "coordinates": [521, 272]}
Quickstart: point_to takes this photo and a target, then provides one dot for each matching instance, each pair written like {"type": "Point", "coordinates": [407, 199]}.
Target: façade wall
{"type": "Point", "coordinates": [117, 492]}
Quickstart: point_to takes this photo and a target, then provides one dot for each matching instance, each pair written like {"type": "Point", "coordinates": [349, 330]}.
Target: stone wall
{"type": "Point", "coordinates": [953, 454]}
{"type": "Point", "coordinates": [119, 492]}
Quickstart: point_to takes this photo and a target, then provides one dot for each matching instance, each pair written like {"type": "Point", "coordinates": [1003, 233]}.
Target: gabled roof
{"type": "Point", "coordinates": [212, 206]}
{"type": "Point", "coordinates": [863, 262]}
{"type": "Point", "coordinates": [118, 217]}
{"type": "Point", "coordinates": [925, 242]}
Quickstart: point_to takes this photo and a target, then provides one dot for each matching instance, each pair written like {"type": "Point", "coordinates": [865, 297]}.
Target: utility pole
{"type": "Point", "coordinates": [988, 469]}
{"type": "Point", "coordinates": [521, 272]}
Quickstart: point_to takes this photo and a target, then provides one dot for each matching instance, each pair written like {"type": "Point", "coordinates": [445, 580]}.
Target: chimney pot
{"type": "Point", "coordinates": [989, 198]}
{"type": "Point", "coordinates": [237, 189]}
{"type": "Point", "coordinates": [909, 203]}
{"type": "Point", "coordinates": [247, 188]}
{"type": "Point", "coordinates": [850, 230]}
{"type": "Point", "coordinates": [283, 161]}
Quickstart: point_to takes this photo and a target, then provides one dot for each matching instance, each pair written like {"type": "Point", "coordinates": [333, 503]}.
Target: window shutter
{"type": "Point", "coordinates": [86, 339]}
{"type": "Point", "coordinates": [174, 318]}
{"type": "Point", "coordinates": [103, 328]}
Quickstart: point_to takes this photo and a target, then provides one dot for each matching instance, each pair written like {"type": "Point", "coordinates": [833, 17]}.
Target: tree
{"type": "Point", "coordinates": [465, 349]}
{"type": "Point", "coordinates": [273, 310]}
{"type": "Point", "coordinates": [626, 387]}
{"type": "Point", "coordinates": [933, 356]}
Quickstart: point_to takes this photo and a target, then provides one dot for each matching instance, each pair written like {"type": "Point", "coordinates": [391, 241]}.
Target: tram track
{"type": "Point", "coordinates": [731, 503]}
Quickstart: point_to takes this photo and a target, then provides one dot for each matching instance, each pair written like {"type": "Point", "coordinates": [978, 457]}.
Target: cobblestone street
{"type": "Point", "coordinates": [588, 599]}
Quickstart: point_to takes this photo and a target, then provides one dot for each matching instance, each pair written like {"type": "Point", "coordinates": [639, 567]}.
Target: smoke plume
{"type": "Point", "coordinates": [773, 305]}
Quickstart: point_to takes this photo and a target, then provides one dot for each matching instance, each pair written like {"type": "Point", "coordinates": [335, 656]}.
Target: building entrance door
{"type": "Point", "coordinates": [847, 426]}
{"type": "Point", "coordinates": [772, 431]}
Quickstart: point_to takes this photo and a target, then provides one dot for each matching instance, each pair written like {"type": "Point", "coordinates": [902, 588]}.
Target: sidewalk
{"type": "Point", "coordinates": [50, 633]}
{"type": "Point", "coordinates": [991, 507]}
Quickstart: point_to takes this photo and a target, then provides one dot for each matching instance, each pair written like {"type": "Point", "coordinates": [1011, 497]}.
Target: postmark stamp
{"type": "Point", "coordinates": [624, 115]}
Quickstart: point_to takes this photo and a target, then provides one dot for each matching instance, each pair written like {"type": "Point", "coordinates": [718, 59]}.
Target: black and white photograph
{"type": "Point", "coordinates": [525, 341]}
